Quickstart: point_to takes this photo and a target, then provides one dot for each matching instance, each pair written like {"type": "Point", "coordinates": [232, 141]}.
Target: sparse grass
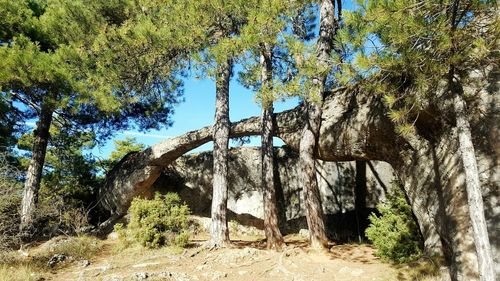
{"type": "Point", "coordinates": [14, 266]}
{"type": "Point", "coordinates": [424, 269]}
{"type": "Point", "coordinates": [247, 232]}
{"type": "Point", "coordinates": [21, 272]}
{"type": "Point", "coordinates": [78, 247]}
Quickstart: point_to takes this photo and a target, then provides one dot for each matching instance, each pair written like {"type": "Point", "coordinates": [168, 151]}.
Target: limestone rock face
{"type": "Point", "coordinates": [191, 177]}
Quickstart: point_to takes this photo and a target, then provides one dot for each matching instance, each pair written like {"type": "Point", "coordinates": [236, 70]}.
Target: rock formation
{"type": "Point", "coordinates": [355, 127]}
{"type": "Point", "coordinates": [191, 177]}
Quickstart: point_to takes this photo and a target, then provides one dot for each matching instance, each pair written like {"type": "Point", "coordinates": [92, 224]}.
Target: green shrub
{"type": "Point", "coordinates": [10, 200]}
{"type": "Point", "coordinates": [160, 221]}
{"type": "Point", "coordinates": [395, 233]}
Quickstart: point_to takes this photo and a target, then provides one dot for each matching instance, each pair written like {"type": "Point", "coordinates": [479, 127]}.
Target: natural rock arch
{"type": "Point", "coordinates": [355, 127]}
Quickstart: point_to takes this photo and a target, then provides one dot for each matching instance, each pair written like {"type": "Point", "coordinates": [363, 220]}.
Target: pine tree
{"type": "Point", "coordinates": [74, 68]}
{"type": "Point", "coordinates": [267, 68]}
{"type": "Point", "coordinates": [219, 56]}
{"type": "Point", "coordinates": [259, 38]}
{"type": "Point", "coordinates": [424, 52]}
{"type": "Point", "coordinates": [310, 134]}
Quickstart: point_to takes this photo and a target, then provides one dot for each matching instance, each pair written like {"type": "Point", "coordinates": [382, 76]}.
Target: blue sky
{"type": "Point", "coordinates": [198, 111]}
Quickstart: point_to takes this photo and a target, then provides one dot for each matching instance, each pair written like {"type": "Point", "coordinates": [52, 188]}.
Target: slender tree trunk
{"type": "Point", "coordinates": [271, 224]}
{"type": "Point", "coordinates": [219, 230]}
{"type": "Point", "coordinates": [468, 155]}
{"type": "Point", "coordinates": [473, 187]}
{"type": "Point", "coordinates": [314, 209]}
{"type": "Point", "coordinates": [310, 133]}
{"type": "Point", "coordinates": [34, 173]}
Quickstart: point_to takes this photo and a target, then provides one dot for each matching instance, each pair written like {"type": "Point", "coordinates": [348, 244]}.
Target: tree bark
{"type": "Point", "coordinates": [314, 209]}
{"type": "Point", "coordinates": [219, 230]}
{"type": "Point", "coordinates": [35, 169]}
{"type": "Point", "coordinates": [473, 187]}
{"type": "Point", "coordinates": [310, 133]}
{"type": "Point", "coordinates": [271, 223]}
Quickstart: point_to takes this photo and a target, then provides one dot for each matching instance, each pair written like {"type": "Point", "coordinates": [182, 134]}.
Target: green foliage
{"type": "Point", "coordinates": [409, 48]}
{"type": "Point", "coordinates": [59, 207]}
{"type": "Point", "coordinates": [9, 116]}
{"type": "Point", "coordinates": [10, 200]}
{"type": "Point", "coordinates": [123, 147]}
{"type": "Point", "coordinates": [70, 174]}
{"type": "Point", "coordinates": [162, 220]}
{"type": "Point", "coordinates": [395, 233]}
{"type": "Point", "coordinates": [267, 31]}
{"type": "Point", "coordinates": [98, 65]}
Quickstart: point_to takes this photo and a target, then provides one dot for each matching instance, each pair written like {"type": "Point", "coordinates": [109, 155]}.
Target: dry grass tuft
{"type": "Point", "coordinates": [15, 265]}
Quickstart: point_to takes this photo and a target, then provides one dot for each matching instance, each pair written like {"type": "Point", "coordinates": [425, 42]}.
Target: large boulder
{"type": "Point", "coordinates": [191, 177]}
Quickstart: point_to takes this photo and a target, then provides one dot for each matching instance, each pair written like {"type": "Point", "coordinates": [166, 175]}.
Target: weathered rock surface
{"type": "Point", "coordinates": [191, 177]}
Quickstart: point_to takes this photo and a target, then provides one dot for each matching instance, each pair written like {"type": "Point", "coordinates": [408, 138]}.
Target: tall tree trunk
{"type": "Point", "coordinates": [473, 187]}
{"type": "Point", "coordinates": [314, 209]}
{"type": "Point", "coordinates": [34, 173]}
{"type": "Point", "coordinates": [310, 133]}
{"type": "Point", "coordinates": [468, 155]}
{"type": "Point", "coordinates": [219, 230]}
{"type": "Point", "coordinates": [271, 224]}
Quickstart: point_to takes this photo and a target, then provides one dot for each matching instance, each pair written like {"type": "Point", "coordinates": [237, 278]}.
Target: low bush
{"type": "Point", "coordinates": [81, 247]}
{"type": "Point", "coordinates": [395, 233]}
{"type": "Point", "coordinates": [53, 216]}
{"type": "Point", "coordinates": [160, 221]}
{"type": "Point", "coordinates": [10, 200]}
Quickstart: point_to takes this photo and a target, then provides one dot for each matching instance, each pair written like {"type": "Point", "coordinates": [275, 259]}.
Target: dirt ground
{"type": "Point", "coordinates": [246, 260]}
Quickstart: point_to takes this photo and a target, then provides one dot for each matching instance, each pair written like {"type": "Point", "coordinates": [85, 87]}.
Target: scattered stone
{"type": "Point", "coordinates": [86, 229]}
{"type": "Point", "coordinates": [177, 276]}
{"type": "Point", "coordinates": [53, 244]}
{"type": "Point", "coordinates": [23, 253]}
{"type": "Point", "coordinates": [55, 259]}
{"type": "Point", "coordinates": [215, 275]}
{"type": "Point", "coordinates": [201, 267]}
{"type": "Point", "coordinates": [141, 275]}
{"type": "Point", "coordinates": [304, 233]}
{"type": "Point", "coordinates": [113, 236]}
{"type": "Point", "coordinates": [84, 263]}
